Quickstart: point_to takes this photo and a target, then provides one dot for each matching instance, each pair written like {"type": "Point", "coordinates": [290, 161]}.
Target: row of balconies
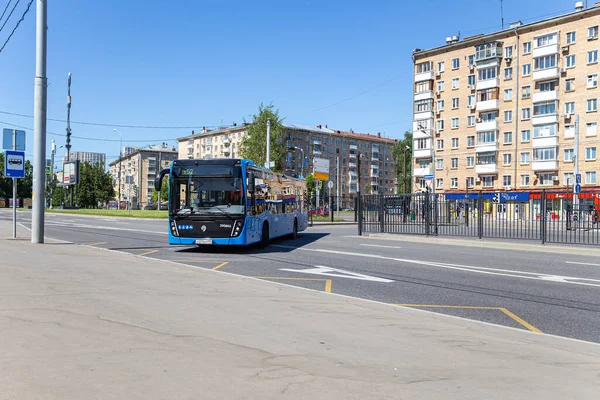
{"type": "Point", "coordinates": [489, 169]}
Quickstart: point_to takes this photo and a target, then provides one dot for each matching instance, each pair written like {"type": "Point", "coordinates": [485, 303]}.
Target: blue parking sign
{"type": "Point", "coordinates": [14, 164]}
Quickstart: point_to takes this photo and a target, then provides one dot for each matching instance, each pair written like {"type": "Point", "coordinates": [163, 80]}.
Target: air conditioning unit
{"type": "Point", "coordinates": [437, 93]}
{"type": "Point", "coordinates": [438, 74]}
{"type": "Point", "coordinates": [555, 178]}
{"type": "Point", "coordinates": [471, 67]}
{"type": "Point", "coordinates": [437, 131]}
{"type": "Point", "coordinates": [567, 116]}
{"type": "Point", "coordinates": [563, 70]}
{"type": "Point", "coordinates": [565, 49]}
{"type": "Point", "coordinates": [472, 106]}
{"type": "Point", "coordinates": [508, 59]}
{"type": "Point", "coordinates": [477, 180]}
{"type": "Point", "coordinates": [478, 120]}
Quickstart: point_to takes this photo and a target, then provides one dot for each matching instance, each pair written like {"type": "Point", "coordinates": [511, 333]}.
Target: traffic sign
{"type": "Point", "coordinates": [578, 178]}
{"type": "Point", "coordinates": [577, 188]}
{"type": "Point", "coordinates": [428, 177]}
{"type": "Point", "coordinates": [10, 136]}
{"type": "Point", "coordinates": [330, 184]}
{"type": "Point", "coordinates": [496, 198]}
{"type": "Point", "coordinates": [14, 164]}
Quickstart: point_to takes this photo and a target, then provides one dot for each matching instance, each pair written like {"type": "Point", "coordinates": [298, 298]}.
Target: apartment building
{"type": "Point", "coordinates": [134, 173]}
{"type": "Point", "coordinates": [499, 112]}
{"type": "Point", "coordinates": [87, 156]}
{"type": "Point", "coordinates": [305, 143]}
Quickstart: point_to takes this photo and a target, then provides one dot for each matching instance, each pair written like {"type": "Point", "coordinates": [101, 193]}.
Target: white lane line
{"type": "Point", "coordinates": [380, 245]}
{"type": "Point", "coordinates": [582, 263]}
{"type": "Point", "coordinates": [467, 268]}
{"type": "Point", "coordinates": [110, 228]}
{"type": "Point", "coordinates": [338, 273]}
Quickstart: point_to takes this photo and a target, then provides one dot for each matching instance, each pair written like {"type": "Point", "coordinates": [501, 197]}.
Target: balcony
{"type": "Point", "coordinates": [226, 151]}
{"type": "Point", "coordinates": [417, 134]}
{"type": "Point", "coordinates": [545, 74]}
{"type": "Point", "coordinates": [422, 171]}
{"type": "Point", "coordinates": [486, 169]}
{"type": "Point", "coordinates": [317, 142]}
{"type": "Point", "coordinates": [544, 119]}
{"type": "Point", "coordinates": [352, 164]}
{"type": "Point", "coordinates": [488, 84]}
{"type": "Point", "coordinates": [545, 165]}
{"type": "Point", "coordinates": [353, 147]}
{"type": "Point", "coordinates": [423, 115]}
{"type": "Point", "coordinates": [424, 76]}
{"type": "Point", "coordinates": [423, 153]}
{"type": "Point", "coordinates": [486, 147]}
{"type": "Point", "coordinates": [317, 152]}
{"type": "Point", "coordinates": [374, 181]}
{"type": "Point", "coordinates": [424, 95]}
{"type": "Point", "coordinates": [226, 140]}
{"type": "Point", "coordinates": [352, 155]}
{"type": "Point", "coordinates": [548, 141]}
{"type": "Point", "coordinates": [545, 96]}
{"type": "Point", "coordinates": [545, 50]}
{"type": "Point", "coordinates": [352, 174]}
{"type": "Point", "coordinates": [375, 159]}
{"type": "Point", "coordinates": [487, 126]}
{"type": "Point", "coordinates": [488, 105]}
{"type": "Point", "coordinates": [427, 124]}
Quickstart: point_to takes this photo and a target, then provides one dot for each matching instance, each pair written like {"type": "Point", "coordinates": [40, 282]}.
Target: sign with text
{"type": "Point", "coordinates": [321, 169]}
{"type": "Point", "coordinates": [71, 173]}
{"type": "Point", "coordinates": [8, 140]}
{"type": "Point", "coordinates": [14, 164]}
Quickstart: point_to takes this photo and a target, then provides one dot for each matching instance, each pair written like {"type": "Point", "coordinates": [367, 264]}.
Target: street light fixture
{"type": "Point", "coordinates": [120, 161]}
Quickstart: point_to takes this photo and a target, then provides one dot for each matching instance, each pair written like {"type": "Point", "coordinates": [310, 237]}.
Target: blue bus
{"type": "Point", "coordinates": [232, 202]}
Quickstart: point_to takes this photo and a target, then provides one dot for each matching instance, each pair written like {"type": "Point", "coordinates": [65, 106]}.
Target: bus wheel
{"type": "Point", "coordinates": [264, 239]}
{"type": "Point", "coordinates": [295, 231]}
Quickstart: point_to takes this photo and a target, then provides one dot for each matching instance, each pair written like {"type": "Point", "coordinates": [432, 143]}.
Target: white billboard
{"type": "Point", "coordinates": [321, 169]}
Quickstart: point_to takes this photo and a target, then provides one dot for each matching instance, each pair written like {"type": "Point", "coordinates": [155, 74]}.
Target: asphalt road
{"type": "Point", "coordinates": [553, 293]}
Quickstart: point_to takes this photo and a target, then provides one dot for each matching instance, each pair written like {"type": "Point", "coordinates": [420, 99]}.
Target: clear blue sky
{"type": "Point", "coordinates": [211, 62]}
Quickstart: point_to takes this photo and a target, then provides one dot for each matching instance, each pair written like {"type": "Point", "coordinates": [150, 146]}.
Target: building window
{"type": "Point", "coordinates": [455, 102]}
{"type": "Point", "coordinates": [569, 154]}
{"type": "Point", "coordinates": [487, 73]}
{"type": "Point", "coordinates": [526, 69]}
{"type": "Point", "coordinates": [545, 179]}
{"type": "Point", "coordinates": [592, 57]}
{"type": "Point", "coordinates": [526, 92]}
{"type": "Point", "coordinates": [508, 52]}
{"type": "Point", "coordinates": [455, 63]}
{"type": "Point", "coordinates": [508, 116]}
{"type": "Point", "coordinates": [453, 183]}
{"type": "Point", "coordinates": [569, 131]}
{"type": "Point", "coordinates": [546, 130]}
{"type": "Point", "coordinates": [454, 162]}
{"type": "Point", "coordinates": [590, 153]}
{"type": "Point", "coordinates": [440, 86]}
{"type": "Point", "coordinates": [471, 100]}
{"type": "Point", "coordinates": [470, 181]}
{"type": "Point", "coordinates": [508, 94]}
{"type": "Point", "coordinates": [571, 37]}
{"type": "Point", "coordinates": [455, 143]}
{"type": "Point", "coordinates": [525, 158]}
{"type": "Point", "coordinates": [591, 129]}
{"type": "Point", "coordinates": [569, 85]}
{"type": "Point", "coordinates": [568, 178]}
{"type": "Point", "coordinates": [440, 66]}
{"type": "Point", "coordinates": [471, 80]}
{"type": "Point", "coordinates": [548, 86]}
{"type": "Point", "coordinates": [488, 116]}
{"type": "Point", "coordinates": [471, 59]}
{"type": "Point", "coordinates": [440, 105]}
{"type": "Point", "coordinates": [455, 83]}
{"type": "Point", "coordinates": [439, 183]}
{"type": "Point", "coordinates": [544, 108]}
{"type": "Point", "coordinates": [470, 161]}
{"type": "Point", "coordinates": [593, 32]}
{"type": "Point", "coordinates": [471, 120]}
{"type": "Point", "coordinates": [545, 62]}
{"type": "Point", "coordinates": [470, 141]}
{"type": "Point", "coordinates": [423, 105]}
{"type": "Point", "coordinates": [525, 180]}
{"type": "Point", "coordinates": [440, 144]}
{"type": "Point", "coordinates": [544, 154]}
{"type": "Point", "coordinates": [455, 123]}
{"type": "Point", "coordinates": [525, 113]}
{"type": "Point", "coordinates": [487, 181]}
{"type": "Point", "coordinates": [423, 67]}
{"type": "Point", "coordinates": [486, 158]}
{"type": "Point", "coordinates": [488, 137]}
{"type": "Point", "coordinates": [508, 73]}
{"type": "Point", "coordinates": [590, 177]}
{"type": "Point", "coordinates": [570, 61]}
{"type": "Point", "coordinates": [507, 137]}
{"type": "Point", "coordinates": [570, 107]}
{"type": "Point", "coordinates": [592, 81]}
{"type": "Point", "coordinates": [592, 105]}
{"type": "Point", "coordinates": [421, 87]}
{"type": "Point", "coordinates": [526, 47]}
{"type": "Point", "coordinates": [506, 180]}
{"type": "Point", "coordinates": [507, 159]}
{"type": "Point", "coordinates": [546, 40]}
{"type": "Point", "coordinates": [420, 144]}
{"type": "Point", "coordinates": [440, 125]}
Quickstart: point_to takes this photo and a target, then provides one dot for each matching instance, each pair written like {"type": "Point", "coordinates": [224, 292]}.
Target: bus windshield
{"type": "Point", "coordinates": [204, 192]}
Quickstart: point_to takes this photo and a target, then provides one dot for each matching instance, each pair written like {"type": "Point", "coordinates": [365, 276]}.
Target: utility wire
{"type": "Point", "coordinates": [18, 23]}
{"type": "Point", "coordinates": [9, 15]}
{"type": "Point", "coordinates": [5, 8]}
{"type": "Point", "coordinates": [111, 125]}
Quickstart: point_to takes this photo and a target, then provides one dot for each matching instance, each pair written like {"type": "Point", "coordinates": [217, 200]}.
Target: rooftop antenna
{"type": "Point", "coordinates": [502, 13]}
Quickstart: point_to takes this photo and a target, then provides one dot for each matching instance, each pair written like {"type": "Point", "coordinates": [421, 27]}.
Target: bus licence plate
{"type": "Point", "coordinates": [203, 241]}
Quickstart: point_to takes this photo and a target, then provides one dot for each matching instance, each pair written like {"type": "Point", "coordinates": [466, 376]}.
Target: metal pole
{"type": "Point", "coordinates": [337, 165]}
{"type": "Point", "coordinates": [14, 208]}
{"type": "Point", "coordinates": [52, 171]}
{"type": "Point", "coordinates": [268, 163]}
{"type": "Point", "coordinates": [404, 171]}
{"type": "Point", "coordinates": [39, 124]}
{"type": "Point", "coordinates": [517, 96]}
{"type": "Point", "coordinates": [576, 166]}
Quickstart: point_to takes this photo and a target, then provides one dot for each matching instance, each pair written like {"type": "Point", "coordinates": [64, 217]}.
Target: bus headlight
{"type": "Point", "coordinates": [174, 231]}
{"type": "Point", "coordinates": [237, 229]}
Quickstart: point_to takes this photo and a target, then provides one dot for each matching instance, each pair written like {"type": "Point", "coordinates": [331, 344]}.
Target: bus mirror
{"type": "Point", "coordinates": [251, 182]}
{"type": "Point", "coordinates": [158, 179]}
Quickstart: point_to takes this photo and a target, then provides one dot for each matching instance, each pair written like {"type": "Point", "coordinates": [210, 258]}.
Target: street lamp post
{"type": "Point", "coordinates": [432, 166]}
{"type": "Point", "coordinates": [303, 160]}
{"type": "Point", "coordinates": [120, 162]}
{"type": "Point", "coordinates": [404, 168]}
{"type": "Point", "coordinates": [52, 184]}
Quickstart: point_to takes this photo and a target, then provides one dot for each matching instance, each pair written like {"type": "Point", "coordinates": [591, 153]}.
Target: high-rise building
{"type": "Point", "coordinates": [137, 170]}
{"type": "Point", "coordinates": [501, 112]}
{"type": "Point", "coordinates": [87, 156]}
{"type": "Point", "coordinates": [304, 144]}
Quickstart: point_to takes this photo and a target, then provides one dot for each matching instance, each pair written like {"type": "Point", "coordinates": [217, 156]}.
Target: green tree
{"type": "Point", "coordinates": [95, 185]}
{"type": "Point", "coordinates": [400, 149]}
{"type": "Point", "coordinates": [164, 193]}
{"type": "Point", "coordinates": [254, 143]}
{"type": "Point", "coordinates": [310, 185]}
{"type": "Point", "coordinates": [25, 185]}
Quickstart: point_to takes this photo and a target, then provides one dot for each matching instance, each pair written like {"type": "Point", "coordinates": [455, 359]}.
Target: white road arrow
{"type": "Point", "coordinates": [338, 273]}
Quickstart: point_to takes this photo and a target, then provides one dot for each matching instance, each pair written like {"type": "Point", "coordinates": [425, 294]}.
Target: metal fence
{"type": "Point", "coordinates": [549, 217]}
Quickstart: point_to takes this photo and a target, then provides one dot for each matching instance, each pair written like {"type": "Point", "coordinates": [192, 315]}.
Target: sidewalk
{"type": "Point", "coordinates": [82, 323]}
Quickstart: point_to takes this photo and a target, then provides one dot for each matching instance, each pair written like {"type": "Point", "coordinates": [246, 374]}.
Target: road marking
{"type": "Point", "coordinates": [220, 265]}
{"type": "Point", "coordinates": [380, 245]}
{"type": "Point", "coordinates": [148, 253]}
{"type": "Point", "coordinates": [94, 244]}
{"type": "Point", "coordinates": [339, 273]}
{"type": "Point", "coordinates": [110, 228]}
{"type": "Point", "coordinates": [504, 310]}
{"type": "Point", "coordinates": [468, 268]}
{"type": "Point", "coordinates": [285, 278]}
{"type": "Point", "coordinates": [582, 263]}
